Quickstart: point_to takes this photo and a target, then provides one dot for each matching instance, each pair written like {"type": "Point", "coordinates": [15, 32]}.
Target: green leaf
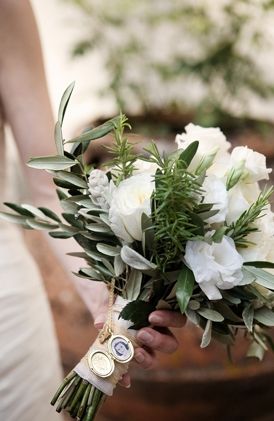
{"type": "Point", "coordinates": [137, 312]}
{"type": "Point", "coordinates": [184, 287]}
{"type": "Point", "coordinates": [41, 225]}
{"type": "Point", "coordinates": [231, 298]}
{"type": "Point", "coordinates": [234, 176]}
{"type": "Point", "coordinates": [17, 208]}
{"type": "Point", "coordinates": [133, 285]}
{"type": "Point", "coordinates": [16, 219]}
{"type": "Point", "coordinates": [92, 273]}
{"type": "Point", "coordinates": [219, 234]}
{"type": "Point", "coordinates": [205, 163]}
{"type": "Point", "coordinates": [98, 228]}
{"type": "Point", "coordinates": [260, 264]}
{"type": "Point", "coordinates": [136, 260]}
{"type": "Point", "coordinates": [64, 102]}
{"type": "Point", "coordinates": [108, 250]}
{"type": "Point", "coordinates": [210, 314]}
{"type": "Point", "coordinates": [188, 154]}
{"type": "Point", "coordinates": [264, 316]}
{"type": "Point", "coordinates": [50, 214]}
{"type": "Point", "coordinates": [58, 136]}
{"type": "Point", "coordinates": [56, 162]}
{"type": "Point", "coordinates": [207, 334]}
{"type": "Point", "coordinates": [33, 210]}
{"type": "Point", "coordinates": [248, 316]}
{"type": "Point", "coordinates": [71, 178]}
{"type": "Point", "coordinates": [61, 234]}
{"type": "Point", "coordinates": [263, 278]}
{"type": "Point", "coordinates": [97, 132]}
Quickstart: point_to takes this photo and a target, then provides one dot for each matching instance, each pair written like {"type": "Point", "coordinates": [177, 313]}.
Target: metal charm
{"type": "Point", "coordinates": [120, 348]}
{"type": "Point", "coordinates": [101, 363]}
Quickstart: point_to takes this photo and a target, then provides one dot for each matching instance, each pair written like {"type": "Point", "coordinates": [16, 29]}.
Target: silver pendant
{"type": "Point", "coordinates": [101, 363]}
{"type": "Point", "coordinates": [120, 348]}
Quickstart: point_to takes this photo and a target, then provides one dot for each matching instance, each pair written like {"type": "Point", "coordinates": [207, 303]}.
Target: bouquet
{"type": "Point", "coordinates": [191, 231]}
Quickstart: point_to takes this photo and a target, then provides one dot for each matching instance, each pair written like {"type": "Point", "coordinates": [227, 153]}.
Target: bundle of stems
{"type": "Point", "coordinates": [78, 397]}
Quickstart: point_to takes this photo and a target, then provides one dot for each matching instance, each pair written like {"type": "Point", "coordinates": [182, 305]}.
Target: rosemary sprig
{"type": "Point", "coordinates": [175, 204]}
{"type": "Point", "coordinates": [122, 151]}
{"type": "Point", "coordinates": [244, 225]}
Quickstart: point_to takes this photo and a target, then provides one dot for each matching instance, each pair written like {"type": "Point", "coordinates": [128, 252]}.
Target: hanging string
{"type": "Point", "coordinates": [107, 330]}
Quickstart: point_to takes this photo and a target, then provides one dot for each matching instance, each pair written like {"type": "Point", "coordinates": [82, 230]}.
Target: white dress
{"type": "Point", "coordinates": [29, 360]}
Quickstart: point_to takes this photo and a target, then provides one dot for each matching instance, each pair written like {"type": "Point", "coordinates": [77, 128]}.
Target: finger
{"type": "Point", "coordinates": [125, 381]}
{"type": "Point", "coordinates": [146, 359]}
{"type": "Point", "coordinates": [165, 342]}
{"type": "Point", "coordinates": [167, 318]}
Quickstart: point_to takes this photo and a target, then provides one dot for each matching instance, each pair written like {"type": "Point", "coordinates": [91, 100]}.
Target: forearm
{"type": "Point", "coordinates": [27, 110]}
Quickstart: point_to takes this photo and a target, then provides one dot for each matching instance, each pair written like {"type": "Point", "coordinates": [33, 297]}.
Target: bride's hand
{"type": "Point", "coordinates": [158, 337]}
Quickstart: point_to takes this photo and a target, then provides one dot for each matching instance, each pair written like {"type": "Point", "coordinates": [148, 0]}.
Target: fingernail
{"type": "Point", "coordinates": [153, 318]}
{"type": "Point", "coordinates": [139, 357]}
{"type": "Point", "coordinates": [145, 337]}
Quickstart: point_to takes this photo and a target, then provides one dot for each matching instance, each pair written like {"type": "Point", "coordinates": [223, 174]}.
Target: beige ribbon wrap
{"type": "Point", "coordinates": [119, 327]}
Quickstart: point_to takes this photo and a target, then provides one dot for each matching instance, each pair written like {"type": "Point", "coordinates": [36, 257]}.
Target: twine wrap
{"type": "Point", "coordinates": [120, 327]}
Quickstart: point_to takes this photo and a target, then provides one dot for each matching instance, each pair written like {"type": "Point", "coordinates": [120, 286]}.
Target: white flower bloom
{"type": "Point", "coordinates": [211, 140]}
{"type": "Point", "coordinates": [215, 266]}
{"type": "Point", "coordinates": [215, 192]}
{"type": "Point", "coordinates": [129, 201]}
{"type": "Point", "coordinates": [144, 167]}
{"type": "Point", "coordinates": [262, 247]}
{"type": "Point", "coordinates": [240, 198]}
{"type": "Point", "coordinates": [254, 163]}
{"type": "Point", "coordinates": [99, 186]}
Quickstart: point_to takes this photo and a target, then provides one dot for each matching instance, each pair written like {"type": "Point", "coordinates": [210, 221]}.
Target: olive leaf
{"type": "Point", "coordinates": [56, 162]}
{"type": "Point", "coordinates": [135, 260]}
{"type": "Point", "coordinates": [184, 287]}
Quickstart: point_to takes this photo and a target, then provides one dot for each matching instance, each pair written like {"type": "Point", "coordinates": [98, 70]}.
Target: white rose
{"type": "Point", "coordinates": [211, 141]}
{"type": "Point", "coordinates": [215, 266]}
{"type": "Point", "coordinates": [262, 241]}
{"type": "Point", "coordinates": [254, 163]}
{"type": "Point", "coordinates": [215, 192]}
{"type": "Point", "coordinates": [129, 201]}
{"type": "Point", "coordinates": [144, 167]}
{"type": "Point", "coordinates": [240, 198]}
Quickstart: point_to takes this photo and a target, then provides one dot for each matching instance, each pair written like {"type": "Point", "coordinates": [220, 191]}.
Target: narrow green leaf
{"type": "Point", "coordinates": [58, 136]}
{"type": "Point", "coordinates": [260, 264]}
{"type": "Point", "coordinates": [108, 250]}
{"type": "Point", "coordinates": [133, 285]}
{"type": "Point", "coordinates": [33, 210]}
{"type": "Point", "coordinates": [206, 338]}
{"type": "Point", "coordinates": [41, 225]}
{"type": "Point", "coordinates": [17, 208]}
{"type": "Point", "coordinates": [16, 219]}
{"type": "Point", "coordinates": [56, 162]}
{"type": "Point", "coordinates": [50, 214]}
{"type": "Point", "coordinates": [264, 316]}
{"type": "Point", "coordinates": [136, 260]}
{"type": "Point", "coordinates": [219, 234]}
{"type": "Point", "coordinates": [262, 277]}
{"type": "Point", "coordinates": [71, 178]}
{"type": "Point", "coordinates": [210, 314]}
{"type": "Point", "coordinates": [188, 154]}
{"type": "Point", "coordinates": [248, 316]}
{"type": "Point", "coordinates": [61, 234]}
{"type": "Point", "coordinates": [97, 132]}
{"type": "Point", "coordinates": [184, 287]}
{"type": "Point", "coordinates": [64, 102]}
